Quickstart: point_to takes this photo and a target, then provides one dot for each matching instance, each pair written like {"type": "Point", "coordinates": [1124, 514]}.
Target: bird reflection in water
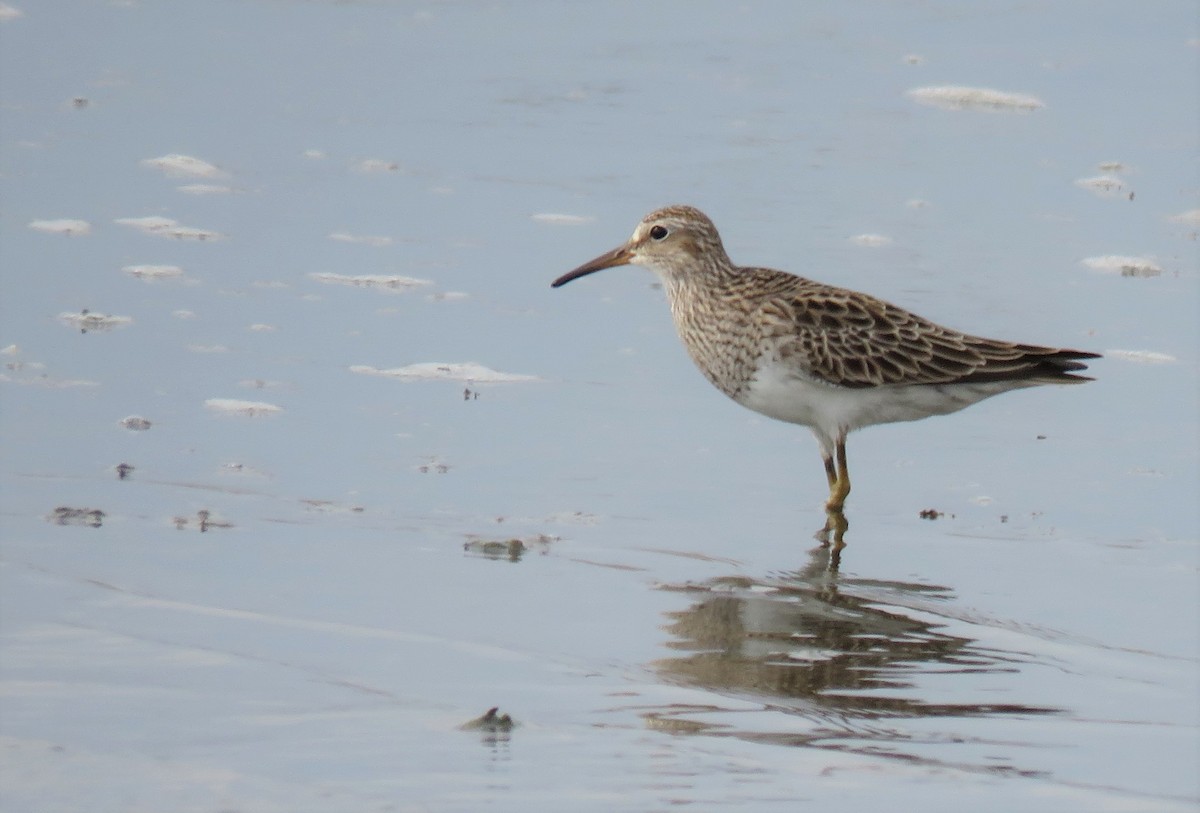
{"type": "Point", "coordinates": [842, 653]}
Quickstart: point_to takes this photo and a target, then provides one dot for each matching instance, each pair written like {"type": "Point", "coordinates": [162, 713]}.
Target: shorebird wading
{"type": "Point", "coordinates": [828, 358]}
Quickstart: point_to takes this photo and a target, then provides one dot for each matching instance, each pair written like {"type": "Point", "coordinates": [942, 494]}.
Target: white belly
{"type": "Point", "coordinates": [781, 393]}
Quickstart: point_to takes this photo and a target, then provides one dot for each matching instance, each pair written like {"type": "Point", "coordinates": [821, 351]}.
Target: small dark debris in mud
{"type": "Point", "coordinates": [470, 394]}
{"type": "Point", "coordinates": [512, 549]}
{"type": "Point", "coordinates": [90, 517]}
{"type": "Point", "coordinates": [433, 466]}
{"type": "Point", "coordinates": [330, 506]}
{"type": "Point", "coordinates": [1041, 437]}
{"type": "Point", "coordinates": [204, 522]}
{"type": "Point", "coordinates": [933, 513]}
{"type": "Point", "coordinates": [136, 423]}
{"type": "Point", "coordinates": [491, 721]}
{"type": "Point", "coordinates": [123, 470]}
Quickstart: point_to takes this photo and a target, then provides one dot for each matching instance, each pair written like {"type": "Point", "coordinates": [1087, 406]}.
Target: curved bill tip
{"type": "Point", "coordinates": [618, 256]}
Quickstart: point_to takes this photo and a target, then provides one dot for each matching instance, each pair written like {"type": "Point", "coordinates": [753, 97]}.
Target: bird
{"type": "Point", "coordinates": [804, 352]}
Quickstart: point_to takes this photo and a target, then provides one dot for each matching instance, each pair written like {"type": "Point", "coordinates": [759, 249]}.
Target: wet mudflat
{"type": "Point", "coordinates": [315, 496]}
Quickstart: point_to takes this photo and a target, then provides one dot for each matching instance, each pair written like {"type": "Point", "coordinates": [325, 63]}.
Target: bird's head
{"type": "Point", "coordinates": [674, 241]}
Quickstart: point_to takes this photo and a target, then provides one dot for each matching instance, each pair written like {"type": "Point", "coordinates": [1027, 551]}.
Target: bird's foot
{"type": "Point", "coordinates": [834, 532]}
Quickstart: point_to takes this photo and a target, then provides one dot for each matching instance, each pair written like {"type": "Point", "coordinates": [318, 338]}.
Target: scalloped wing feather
{"type": "Point", "coordinates": [850, 339]}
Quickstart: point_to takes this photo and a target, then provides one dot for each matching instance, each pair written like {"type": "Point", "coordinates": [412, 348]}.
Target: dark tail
{"type": "Point", "coordinates": [1060, 366]}
{"type": "Point", "coordinates": [1033, 364]}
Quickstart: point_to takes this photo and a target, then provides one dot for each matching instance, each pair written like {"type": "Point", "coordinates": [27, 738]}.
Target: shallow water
{"type": "Point", "coordinates": [306, 467]}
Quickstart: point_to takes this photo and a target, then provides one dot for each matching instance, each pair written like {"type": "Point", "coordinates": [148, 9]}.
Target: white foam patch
{"type": "Point", "coordinates": [206, 189]}
{"type": "Point", "coordinates": [65, 226]}
{"type": "Point", "coordinates": [242, 470]}
{"type": "Point", "coordinates": [364, 239]}
{"type": "Point", "coordinates": [175, 165]}
{"type": "Point", "coordinates": [86, 320]}
{"type": "Point", "coordinates": [46, 381]}
{"type": "Point", "coordinates": [1105, 186]}
{"type": "Point", "coordinates": [871, 240]}
{"type": "Point", "coordinates": [1125, 266]}
{"type": "Point", "coordinates": [234, 406]}
{"type": "Point", "coordinates": [153, 272]}
{"type": "Point", "coordinates": [8, 12]}
{"type": "Point", "coordinates": [373, 166]}
{"type": "Point", "coordinates": [166, 227]}
{"type": "Point", "coordinates": [562, 220]}
{"type": "Point", "coordinates": [1141, 356]}
{"type": "Point", "coordinates": [468, 371]}
{"type": "Point", "coordinates": [393, 282]}
{"type": "Point", "coordinates": [959, 97]}
{"type": "Point", "coordinates": [1188, 218]}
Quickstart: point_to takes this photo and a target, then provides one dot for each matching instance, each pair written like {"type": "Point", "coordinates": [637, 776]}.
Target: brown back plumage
{"type": "Point", "coordinates": [855, 340]}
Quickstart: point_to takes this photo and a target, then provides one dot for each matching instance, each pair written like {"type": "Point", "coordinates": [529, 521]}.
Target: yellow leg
{"type": "Point", "coordinates": [830, 471]}
{"type": "Point", "coordinates": [838, 475]}
{"type": "Point", "coordinates": [839, 478]}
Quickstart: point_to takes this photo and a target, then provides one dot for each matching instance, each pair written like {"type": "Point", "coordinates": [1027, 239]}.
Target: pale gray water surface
{"type": "Point", "coordinates": [306, 582]}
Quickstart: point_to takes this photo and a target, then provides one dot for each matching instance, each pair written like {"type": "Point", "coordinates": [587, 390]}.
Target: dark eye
{"type": "Point", "coordinates": [659, 232]}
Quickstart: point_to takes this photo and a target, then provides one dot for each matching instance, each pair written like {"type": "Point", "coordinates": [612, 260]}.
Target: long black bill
{"type": "Point", "coordinates": [618, 256]}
